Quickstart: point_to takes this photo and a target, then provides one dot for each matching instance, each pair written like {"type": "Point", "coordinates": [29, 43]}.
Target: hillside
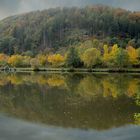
{"type": "Point", "coordinates": [57, 28]}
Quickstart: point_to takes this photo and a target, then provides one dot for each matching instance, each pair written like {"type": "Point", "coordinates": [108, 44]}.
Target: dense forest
{"type": "Point", "coordinates": [57, 29]}
{"type": "Point", "coordinates": [94, 36]}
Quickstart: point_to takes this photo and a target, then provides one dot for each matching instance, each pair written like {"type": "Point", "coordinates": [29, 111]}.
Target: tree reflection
{"type": "Point", "coordinates": [72, 100]}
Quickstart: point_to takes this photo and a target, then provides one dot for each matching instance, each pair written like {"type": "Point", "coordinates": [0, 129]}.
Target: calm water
{"type": "Point", "coordinates": [69, 106]}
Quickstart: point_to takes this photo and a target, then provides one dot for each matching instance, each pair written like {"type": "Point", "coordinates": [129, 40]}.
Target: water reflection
{"type": "Point", "coordinates": [28, 131]}
{"type": "Point", "coordinates": [84, 101]}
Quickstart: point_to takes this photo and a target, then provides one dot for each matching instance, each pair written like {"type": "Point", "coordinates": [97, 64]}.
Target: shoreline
{"type": "Point", "coordinates": [108, 70]}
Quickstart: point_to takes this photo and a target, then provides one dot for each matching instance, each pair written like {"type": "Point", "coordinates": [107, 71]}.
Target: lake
{"type": "Point", "coordinates": [69, 106]}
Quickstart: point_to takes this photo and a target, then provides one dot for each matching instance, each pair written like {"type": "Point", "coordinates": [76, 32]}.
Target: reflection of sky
{"type": "Point", "coordinates": [12, 129]}
{"type": "Point", "coordinates": [10, 7]}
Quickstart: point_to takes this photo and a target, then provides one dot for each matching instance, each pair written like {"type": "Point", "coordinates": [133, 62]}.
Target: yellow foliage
{"type": "Point", "coordinates": [56, 81]}
{"type": "Point", "coordinates": [56, 59]}
{"type": "Point", "coordinates": [91, 57]}
{"type": "Point", "coordinates": [109, 89]}
{"type": "Point", "coordinates": [15, 60]}
{"type": "Point", "coordinates": [133, 55]}
{"type": "Point", "coordinates": [109, 57]}
{"type": "Point", "coordinates": [88, 87]}
{"type": "Point", "coordinates": [106, 55]}
{"type": "Point", "coordinates": [15, 80]}
{"type": "Point", "coordinates": [133, 87]}
{"type": "Point", "coordinates": [114, 50]}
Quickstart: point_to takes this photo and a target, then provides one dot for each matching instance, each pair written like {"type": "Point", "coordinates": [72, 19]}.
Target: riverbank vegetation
{"type": "Point", "coordinates": [86, 55]}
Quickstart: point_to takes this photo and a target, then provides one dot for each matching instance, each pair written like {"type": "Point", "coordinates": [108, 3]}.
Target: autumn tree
{"type": "Point", "coordinates": [15, 60]}
{"type": "Point", "coordinates": [133, 55]}
{"type": "Point", "coordinates": [3, 59]}
{"type": "Point", "coordinates": [109, 56]}
{"type": "Point", "coordinates": [56, 60]}
{"type": "Point", "coordinates": [91, 57]}
{"type": "Point", "coordinates": [106, 56]}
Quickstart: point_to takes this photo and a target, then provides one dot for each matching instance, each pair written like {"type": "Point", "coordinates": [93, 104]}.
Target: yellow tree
{"type": "Point", "coordinates": [133, 55]}
{"type": "Point", "coordinates": [109, 57]}
{"type": "Point", "coordinates": [106, 56]}
{"type": "Point", "coordinates": [91, 57]}
{"type": "Point", "coordinates": [15, 60]}
{"type": "Point", "coordinates": [56, 60]}
{"type": "Point", "coordinates": [114, 50]}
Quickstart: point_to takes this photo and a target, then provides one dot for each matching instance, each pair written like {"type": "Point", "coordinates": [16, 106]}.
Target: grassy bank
{"type": "Point", "coordinates": [110, 70]}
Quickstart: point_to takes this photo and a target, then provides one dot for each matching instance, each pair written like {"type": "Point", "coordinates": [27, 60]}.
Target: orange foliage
{"type": "Point", "coordinates": [3, 58]}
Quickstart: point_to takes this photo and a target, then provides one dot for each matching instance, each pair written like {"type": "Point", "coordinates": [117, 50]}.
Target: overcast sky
{"type": "Point", "coordinates": [12, 7]}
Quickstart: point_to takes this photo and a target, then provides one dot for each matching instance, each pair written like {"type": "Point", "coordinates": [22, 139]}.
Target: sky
{"type": "Point", "coordinates": [12, 7]}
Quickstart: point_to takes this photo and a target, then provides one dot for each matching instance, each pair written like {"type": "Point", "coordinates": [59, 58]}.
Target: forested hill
{"type": "Point", "coordinates": [63, 27]}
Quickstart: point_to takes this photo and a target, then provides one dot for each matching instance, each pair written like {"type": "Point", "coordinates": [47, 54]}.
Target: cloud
{"type": "Point", "coordinates": [11, 7]}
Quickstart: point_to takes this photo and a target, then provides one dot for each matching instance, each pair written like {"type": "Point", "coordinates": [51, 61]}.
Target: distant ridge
{"type": "Point", "coordinates": [58, 28]}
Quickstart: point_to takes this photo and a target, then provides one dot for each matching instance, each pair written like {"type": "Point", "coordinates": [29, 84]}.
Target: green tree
{"type": "Point", "coordinates": [72, 58]}
{"type": "Point", "coordinates": [121, 58]}
{"type": "Point", "coordinates": [7, 45]}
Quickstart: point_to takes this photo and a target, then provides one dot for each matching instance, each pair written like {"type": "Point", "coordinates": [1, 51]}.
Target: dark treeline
{"type": "Point", "coordinates": [62, 27]}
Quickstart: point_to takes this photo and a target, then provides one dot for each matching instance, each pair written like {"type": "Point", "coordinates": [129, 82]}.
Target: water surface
{"type": "Point", "coordinates": [69, 106]}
